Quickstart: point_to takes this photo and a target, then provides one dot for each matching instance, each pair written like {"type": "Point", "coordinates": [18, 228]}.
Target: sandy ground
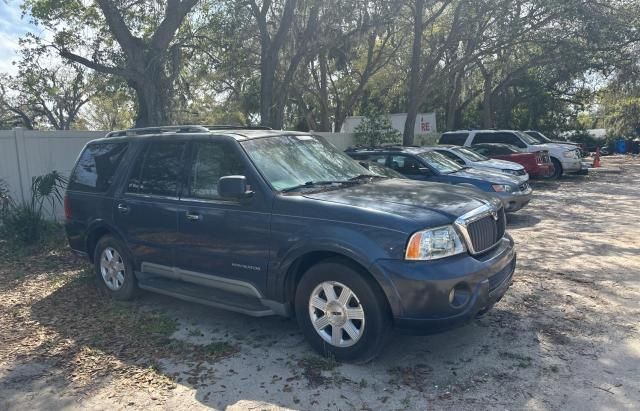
{"type": "Point", "coordinates": [566, 335]}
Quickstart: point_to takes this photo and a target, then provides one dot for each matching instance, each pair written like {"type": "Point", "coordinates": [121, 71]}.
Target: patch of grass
{"type": "Point", "coordinates": [194, 332]}
{"type": "Point", "coordinates": [157, 324]}
{"type": "Point", "coordinates": [217, 348]}
{"type": "Point", "coordinates": [313, 366]}
{"type": "Point", "coordinates": [320, 363]}
{"type": "Point", "coordinates": [521, 361]}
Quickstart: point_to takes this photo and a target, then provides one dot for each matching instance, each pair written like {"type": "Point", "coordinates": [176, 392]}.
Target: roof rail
{"type": "Point", "coordinates": [232, 127]}
{"type": "Point", "coordinates": [158, 130]}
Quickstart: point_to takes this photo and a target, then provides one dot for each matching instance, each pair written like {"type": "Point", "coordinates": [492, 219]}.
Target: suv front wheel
{"type": "Point", "coordinates": [114, 270]}
{"type": "Point", "coordinates": [341, 312]}
{"type": "Point", "coordinates": [557, 170]}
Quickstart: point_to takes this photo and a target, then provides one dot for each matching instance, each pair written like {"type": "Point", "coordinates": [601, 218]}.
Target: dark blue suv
{"type": "Point", "coordinates": [273, 222]}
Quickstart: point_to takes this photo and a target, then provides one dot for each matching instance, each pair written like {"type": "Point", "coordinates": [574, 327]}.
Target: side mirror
{"type": "Point", "coordinates": [233, 187]}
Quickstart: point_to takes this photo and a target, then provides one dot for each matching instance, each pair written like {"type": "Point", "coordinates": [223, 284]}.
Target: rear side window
{"type": "Point", "coordinates": [211, 161]}
{"type": "Point", "coordinates": [96, 167]}
{"type": "Point", "coordinates": [455, 139]}
{"type": "Point", "coordinates": [406, 165]}
{"type": "Point", "coordinates": [503, 138]}
{"type": "Point", "coordinates": [374, 158]}
{"type": "Point", "coordinates": [158, 169]}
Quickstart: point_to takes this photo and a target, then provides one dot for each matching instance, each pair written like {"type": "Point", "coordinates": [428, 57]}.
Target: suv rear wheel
{"type": "Point", "coordinates": [114, 269]}
{"type": "Point", "coordinates": [341, 313]}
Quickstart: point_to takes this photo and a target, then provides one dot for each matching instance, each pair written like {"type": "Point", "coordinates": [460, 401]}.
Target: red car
{"type": "Point", "coordinates": [537, 164]}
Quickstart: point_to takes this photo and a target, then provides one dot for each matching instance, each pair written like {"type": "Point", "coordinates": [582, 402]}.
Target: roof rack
{"type": "Point", "coordinates": [181, 129]}
{"type": "Point", "coordinates": [233, 127]}
{"type": "Point", "coordinates": [158, 130]}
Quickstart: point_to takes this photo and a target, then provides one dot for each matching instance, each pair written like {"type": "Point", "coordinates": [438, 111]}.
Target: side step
{"type": "Point", "coordinates": [204, 295]}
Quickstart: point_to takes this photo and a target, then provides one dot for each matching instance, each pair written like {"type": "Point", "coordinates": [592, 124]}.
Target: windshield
{"type": "Point", "coordinates": [539, 136]}
{"type": "Point", "coordinates": [290, 161]}
{"type": "Point", "coordinates": [528, 139]}
{"type": "Point", "coordinates": [439, 162]}
{"type": "Point", "coordinates": [470, 154]}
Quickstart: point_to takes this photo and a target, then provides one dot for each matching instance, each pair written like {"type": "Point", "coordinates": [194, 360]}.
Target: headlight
{"type": "Point", "coordinates": [570, 154]}
{"type": "Point", "coordinates": [512, 172]}
{"type": "Point", "coordinates": [502, 188]}
{"type": "Point", "coordinates": [434, 244]}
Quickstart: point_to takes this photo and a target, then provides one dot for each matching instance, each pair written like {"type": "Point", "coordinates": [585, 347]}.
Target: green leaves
{"type": "Point", "coordinates": [375, 129]}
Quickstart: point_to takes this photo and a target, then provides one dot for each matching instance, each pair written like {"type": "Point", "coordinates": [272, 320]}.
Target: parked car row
{"type": "Point", "coordinates": [565, 157]}
{"type": "Point", "coordinates": [430, 164]}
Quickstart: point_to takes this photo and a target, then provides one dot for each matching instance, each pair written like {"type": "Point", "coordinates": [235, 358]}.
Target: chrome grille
{"type": "Point", "coordinates": [482, 231]}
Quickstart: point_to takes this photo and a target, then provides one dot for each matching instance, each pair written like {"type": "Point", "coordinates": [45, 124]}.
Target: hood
{"type": "Point", "coordinates": [487, 176]}
{"type": "Point", "coordinates": [414, 200]}
{"type": "Point", "coordinates": [500, 164]}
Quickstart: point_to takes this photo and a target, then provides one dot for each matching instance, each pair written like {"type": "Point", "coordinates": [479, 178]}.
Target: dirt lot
{"type": "Point", "coordinates": [566, 336]}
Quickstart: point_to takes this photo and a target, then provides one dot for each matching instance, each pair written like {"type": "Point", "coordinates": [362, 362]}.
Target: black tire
{"type": "Point", "coordinates": [557, 170]}
{"type": "Point", "coordinates": [377, 318]}
{"type": "Point", "coordinates": [129, 287]}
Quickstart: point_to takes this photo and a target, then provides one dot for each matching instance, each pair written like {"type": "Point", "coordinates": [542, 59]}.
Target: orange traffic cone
{"type": "Point", "coordinates": [596, 161]}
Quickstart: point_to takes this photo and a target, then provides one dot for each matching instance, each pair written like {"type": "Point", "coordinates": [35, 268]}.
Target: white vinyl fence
{"type": "Point", "coordinates": [25, 154]}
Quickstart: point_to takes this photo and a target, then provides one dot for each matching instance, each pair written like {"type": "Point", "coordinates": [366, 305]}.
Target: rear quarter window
{"type": "Point", "coordinates": [455, 139]}
{"type": "Point", "coordinates": [97, 167]}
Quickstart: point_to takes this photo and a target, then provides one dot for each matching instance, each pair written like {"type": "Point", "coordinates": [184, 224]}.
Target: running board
{"type": "Point", "coordinates": [207, 296]}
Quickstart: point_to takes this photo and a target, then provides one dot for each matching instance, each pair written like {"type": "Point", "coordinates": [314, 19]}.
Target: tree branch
{"type": "Point", "coordinates": [174, 15]}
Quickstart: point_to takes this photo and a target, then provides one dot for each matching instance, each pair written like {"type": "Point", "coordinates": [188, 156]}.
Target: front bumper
{"type": "Point", "coordinates": [571, 165]}
{"type": "Point", "coordinates": [423, 289]}
{"type": "Point", "coordinates": [542, 171]}
{"type": "Point", "coordinates": [513, 202]}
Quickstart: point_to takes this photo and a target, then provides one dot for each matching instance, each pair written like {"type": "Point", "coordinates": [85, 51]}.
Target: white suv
{"type": "Point", "coordinates": [566, 159]}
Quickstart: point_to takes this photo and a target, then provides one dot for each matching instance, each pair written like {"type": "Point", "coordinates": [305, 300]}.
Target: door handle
{"type": "Point", "coordinates": [193, 216]}
{"type": "Point", "coordinates": [123, 208]}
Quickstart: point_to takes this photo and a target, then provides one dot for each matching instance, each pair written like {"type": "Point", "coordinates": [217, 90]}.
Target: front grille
{"type": "Point", "coordinates": [485, 232]}
{"type": "Point", "coordinates": [543, 157]}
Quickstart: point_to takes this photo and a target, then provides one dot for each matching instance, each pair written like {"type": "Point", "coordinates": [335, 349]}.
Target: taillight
{"type": "Point", "coordinates": [67, 208]}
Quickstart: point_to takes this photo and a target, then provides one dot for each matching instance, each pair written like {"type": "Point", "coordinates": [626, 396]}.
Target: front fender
{"type": "Point", "coordinates": [361, 244]}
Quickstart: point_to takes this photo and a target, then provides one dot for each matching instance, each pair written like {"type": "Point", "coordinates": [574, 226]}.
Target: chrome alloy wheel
{"type": "Point", "coordinates": [336, 314]}
{"type": "Point", "coordinates": [112, 268]}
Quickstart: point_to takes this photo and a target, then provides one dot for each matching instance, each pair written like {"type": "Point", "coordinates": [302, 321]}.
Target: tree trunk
{"type": "Point", "coordinates": [267, 74]}
{"type": "Point", "coordinates": [413, 88]}
{"type": "Point", "coordinates": [152, 88]}
{"type": "Point", "coordinates": [324, 94]}
{"type": "Point", "coordinates": [487, 109]}
{"type": "Point", "coordinates": [453, 103]}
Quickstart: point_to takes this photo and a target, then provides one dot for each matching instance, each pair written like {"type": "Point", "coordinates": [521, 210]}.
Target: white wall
{"type": "Point", "coordinates": [342, 141]}
{"type": "Point", "coordinates": [25, 154]}
{"type": "Point", "coordinates": [425, 123]}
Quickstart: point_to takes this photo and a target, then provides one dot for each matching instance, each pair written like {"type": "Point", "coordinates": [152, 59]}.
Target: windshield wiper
{"type": "Point", "coordinates": [363, 176]}
{"type": "Point", "coordinates": [310, 184]}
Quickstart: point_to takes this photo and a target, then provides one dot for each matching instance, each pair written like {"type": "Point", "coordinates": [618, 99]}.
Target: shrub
{"type": "Point", "coordinates": [5, 199]}
{"type": "Point", "coordinates": [375, 129]}
{"type": "Point", "coordinates": [25, 222]}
